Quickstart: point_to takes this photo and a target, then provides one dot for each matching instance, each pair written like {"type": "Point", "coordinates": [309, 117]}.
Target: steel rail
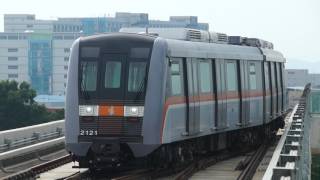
{"type": "Point", "coordinates": [32, 172]}
{"type": "Point", "coordinates": [254, 162]}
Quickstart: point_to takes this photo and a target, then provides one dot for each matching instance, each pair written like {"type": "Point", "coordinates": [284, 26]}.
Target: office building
{"type": "Point", "coordinates": [37, 51]}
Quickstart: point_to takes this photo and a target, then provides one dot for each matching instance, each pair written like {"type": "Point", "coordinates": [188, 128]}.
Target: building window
{"type": "Point", "coordinates": [22, 37]}
{"type": "Point", "coordinates": [12, 67]}
{"type": "Point", "coordinates": [65, 76]}
{"type": "Point", "coordinates": [12, 37]}
{"type": "Point", "coordinates": [65, 84]}
{"type": "Point", "coordinates": [30, 17]}
{"type": "Point", "coordinates": [65, 67]}
{"type": "Point", "coordinates": [66, 50]}
{"type": "Point", "coordinates": [57, 37]}
{"type": "Point", "coordinates": [29, 25]}
{"type": "Point", "coordinates": [12, 49]}
{"type": "Point", "coordinates": [3, 37]}
{"type": "Point", "coordinates": [12, 75]}
{"type": "Point", "coordinates": [12, 58]}
{"type": "Point", "coordinates": [66, 59]}
{"type": "Point", "coordinates": [68, 38]}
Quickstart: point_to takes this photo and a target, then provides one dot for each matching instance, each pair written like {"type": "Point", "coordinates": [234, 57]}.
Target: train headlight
{"type": "Point", "coordinates": [88, 110]}
{"type": "Point", "coordinates": [133, 111]}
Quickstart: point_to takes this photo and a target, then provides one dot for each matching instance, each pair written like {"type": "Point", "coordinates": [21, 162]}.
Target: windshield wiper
{"type": "Point", "coordinates": [142, 87]}
{"type": "Point", "coordinates": [83, 90]}
{"type": "Point", "coordinates": [85, 93]}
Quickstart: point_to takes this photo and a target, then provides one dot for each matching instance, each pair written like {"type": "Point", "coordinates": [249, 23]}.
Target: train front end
{"type": "Point", "coordinates": [106, 90]}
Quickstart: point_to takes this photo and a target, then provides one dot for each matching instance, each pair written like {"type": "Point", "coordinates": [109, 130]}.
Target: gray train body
{"type": "Point", "coordinates": [193, 89]}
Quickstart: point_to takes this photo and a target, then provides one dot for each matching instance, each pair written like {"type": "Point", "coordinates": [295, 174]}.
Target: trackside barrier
{"type": "Point", "coordinates": [27, 150]}
{"type": "Point", "coordinates": [16, 138]}
{"type": "Point", "coordinates": [292, 156]}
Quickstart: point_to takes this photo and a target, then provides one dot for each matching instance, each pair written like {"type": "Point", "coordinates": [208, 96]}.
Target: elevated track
{"type": "Point", "coordinates": [285, 157]}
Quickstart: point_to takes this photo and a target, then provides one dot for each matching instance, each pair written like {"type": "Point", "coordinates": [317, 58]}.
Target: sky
{"type": "Point", "coordinates": [293, 26]}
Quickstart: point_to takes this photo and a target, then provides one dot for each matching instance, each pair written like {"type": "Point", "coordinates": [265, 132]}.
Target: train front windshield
{"type": "Point", "coordinates": [114, 76]}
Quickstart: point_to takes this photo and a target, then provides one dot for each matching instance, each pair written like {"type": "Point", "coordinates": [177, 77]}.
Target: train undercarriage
{"type": "Point", "coordinates": [119, 155]}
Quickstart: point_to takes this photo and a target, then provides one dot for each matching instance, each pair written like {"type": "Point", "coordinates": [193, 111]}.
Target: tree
{"type": "Point", "coordinates": [18, 108]}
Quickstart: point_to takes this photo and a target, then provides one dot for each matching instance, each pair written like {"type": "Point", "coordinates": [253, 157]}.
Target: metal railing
{"type": "Point", "coordinates": [17, 138]}
{"type": "Point", "coordinates": [292, 156]}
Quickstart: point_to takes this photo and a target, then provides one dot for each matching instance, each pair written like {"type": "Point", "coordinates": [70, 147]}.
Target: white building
{"type": "Point", "coordinates": [37, 51]}
{"type": "Point", "coordinates": [14, 57]}
{"type": "Point", "coordinates": [61, 44]}
{"type": "Point", "coordinates": [300, 77]}
{"type": "Point", "coordinates": [38, 58]}
{"type": "Point", "coordinates": [26, 22]}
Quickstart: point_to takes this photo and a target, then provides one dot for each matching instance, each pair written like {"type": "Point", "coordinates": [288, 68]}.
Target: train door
{"type": "Point", "coordinates": [284, 92]}
{"type": "Point", "coordinates": [221, 113]}
{"type": "Point", "coordinates": [194, 103]}
{"type": "Point", "coordinates": [273, 90]}
{"type": "Point", "coordinates": [267, 96]}
{"type": "Point", "coordinates": [176, 92]}
{"type": "Point", "coordinates": [112, 90]}
{"type": "Point", "coordinates": [252, 77]}
{"type": "Point", "coordinates": [279, 85]}
{"type": "Point", "coordinates": [255, 89]}
{"type": "Point", "coordinates": [206, 93]}
{"type": "Point", "coordinates": [243, 89]}
{"type": "Point", "coordinates": [232, 92]}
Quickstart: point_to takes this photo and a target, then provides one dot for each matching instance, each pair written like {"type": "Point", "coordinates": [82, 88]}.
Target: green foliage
{"type": "Point", "coordinates": [18, 109]}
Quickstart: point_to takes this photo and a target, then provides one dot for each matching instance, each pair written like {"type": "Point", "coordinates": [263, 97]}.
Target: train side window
{"type": "Point", "coordinates": [252, 76]}
{"type": "Point", "coordinates": [205, 73]}
{"type": "Point", "coordinates": [112, 74]}
{"type": "Point", "coordinates": [231, 76]}
{"type": "Point", "coordinates": [176, 87]}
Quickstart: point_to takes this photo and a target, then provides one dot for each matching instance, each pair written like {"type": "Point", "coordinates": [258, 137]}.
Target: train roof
{"type": "Point", "coordinates": [118, 36]}
{"type": "Point", "coordinates": [184, 48]}
{"type": "Point", "coordinates": [178, 48]}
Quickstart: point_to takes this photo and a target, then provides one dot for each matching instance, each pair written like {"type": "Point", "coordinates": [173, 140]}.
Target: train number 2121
{"type": "Point", "coordinates": [88, 132]}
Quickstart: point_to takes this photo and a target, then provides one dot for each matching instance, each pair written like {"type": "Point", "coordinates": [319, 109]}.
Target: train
{"type": "Point", "coordinates": [165, 95]}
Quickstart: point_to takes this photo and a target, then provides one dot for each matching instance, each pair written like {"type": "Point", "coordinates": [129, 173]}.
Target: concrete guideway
{"type": "Point", "coordinates": [16, 156]}
{"type": "Point", "coordinates": [62, 172]}
{"type": "Point", "coordinates": [20, 167]}
{"type": "Point", "coordinates": [292, 156]}
{"type": "Point", "coordinates": [288, 158]}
